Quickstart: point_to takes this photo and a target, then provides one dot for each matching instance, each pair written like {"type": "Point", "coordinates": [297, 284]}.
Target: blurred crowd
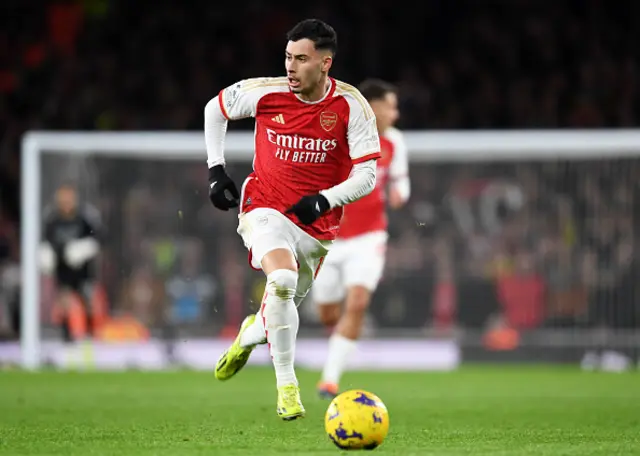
{"type": "Point", "coordinates": [459, 64]}
{"type": "Point", "coordinates": [498, 245]}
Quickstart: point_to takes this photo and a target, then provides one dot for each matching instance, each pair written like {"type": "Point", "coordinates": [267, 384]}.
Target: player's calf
{"type": "Point", "coordinates": [74, 316]}
{"type": "Point", "coordinates": [281, 317]}
{"type": "Point", "coordinates": [356, 305]}
{"type": "Point", "coordinates": [343, 341]}
{"type": "Point", "coordinates": [329, 314]}
{"type": "Point", "coordinates": [282, 321]}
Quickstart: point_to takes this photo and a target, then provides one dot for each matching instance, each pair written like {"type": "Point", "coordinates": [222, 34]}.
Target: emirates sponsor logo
{"type": "Point", "coordinates": [299, 149]}
{"type": "Point", "coordinates": [301, 143]}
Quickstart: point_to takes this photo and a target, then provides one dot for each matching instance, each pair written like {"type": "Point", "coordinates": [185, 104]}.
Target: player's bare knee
{"type": "Point", "coordinates": [278, 259]}
{"type": "Point", "coordinates": [329, 314]}
{"type": "Point", "coordinates": [282, 283]}
{"type": "Point", "coordinates": [358, 300]}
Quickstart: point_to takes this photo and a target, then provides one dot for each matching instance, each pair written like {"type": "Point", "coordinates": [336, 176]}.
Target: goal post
{"type": "Point", "coordinates": [158, 145]}
{"type": "Point", "coordinates": [424, 147]}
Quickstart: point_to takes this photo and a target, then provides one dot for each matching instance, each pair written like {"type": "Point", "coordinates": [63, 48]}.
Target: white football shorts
{"type": "Point", "coordinates": [354, 261]}
{"type": "Point", "coordinates": [263, 230]}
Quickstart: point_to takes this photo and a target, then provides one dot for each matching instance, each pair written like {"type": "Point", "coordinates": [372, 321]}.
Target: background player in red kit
{"type": "Point", "coordinates": [353, 269]}
{"type": "Point", "coordinates": [316, 146]}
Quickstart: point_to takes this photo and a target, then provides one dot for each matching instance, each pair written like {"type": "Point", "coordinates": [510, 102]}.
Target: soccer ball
{"type": "Point", "coordinates": [357, 420]}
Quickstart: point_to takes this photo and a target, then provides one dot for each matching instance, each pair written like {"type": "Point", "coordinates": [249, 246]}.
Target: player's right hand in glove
{"type": "Point", "coordinates": [223, 193]}
{"type": "Point", "coordinates": [310, 208]}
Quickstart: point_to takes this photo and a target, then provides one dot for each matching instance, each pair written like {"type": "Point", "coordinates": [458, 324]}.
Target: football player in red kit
{"type": "Point", "coordinates": [316, 146]}
{"type": "Point", "coordinates": [342, 291]}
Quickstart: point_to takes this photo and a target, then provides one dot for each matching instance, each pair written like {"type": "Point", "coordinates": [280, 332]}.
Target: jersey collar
{"type": "Point", "coordinates": [328, 93]}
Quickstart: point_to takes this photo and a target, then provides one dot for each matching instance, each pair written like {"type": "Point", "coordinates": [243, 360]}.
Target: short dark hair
{"type": "Point", "coordinates": [322, 34]}
{"type": "Point", "coordinates": [376, 89]}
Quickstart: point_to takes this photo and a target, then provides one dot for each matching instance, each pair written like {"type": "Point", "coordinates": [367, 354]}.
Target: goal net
{"type": "Point", "coordinates": [511, 241]}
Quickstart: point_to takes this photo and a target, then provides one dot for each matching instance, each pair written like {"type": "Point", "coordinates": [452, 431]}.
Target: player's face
{"type": "Point", "coordinates": [386, 111]}
{"type": "Point", "coordinates": [306, 66]}
{"type": "Point", "coordinates": [66, 200]}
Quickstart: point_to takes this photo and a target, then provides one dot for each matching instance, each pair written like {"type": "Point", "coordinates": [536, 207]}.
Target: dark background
{"type": "Point", "coordinates": [563, 257]}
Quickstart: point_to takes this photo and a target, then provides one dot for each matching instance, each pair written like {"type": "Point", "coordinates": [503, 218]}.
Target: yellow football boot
{"type": "Point", "coordinates": [236, 356]}
{"type": "Point", "coordinates": [289, 404]}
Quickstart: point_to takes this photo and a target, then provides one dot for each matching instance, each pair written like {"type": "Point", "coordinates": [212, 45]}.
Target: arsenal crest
{"type": "Point", "coordinates": [328, 120]}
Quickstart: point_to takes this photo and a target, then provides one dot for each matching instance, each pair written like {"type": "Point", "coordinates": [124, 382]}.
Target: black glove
{"type": "Point", "coordinates": [310, 208]}
{"type": "Point", "coordinates": [222, 191]}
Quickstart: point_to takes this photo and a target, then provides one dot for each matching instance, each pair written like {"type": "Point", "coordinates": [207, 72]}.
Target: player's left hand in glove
{"type": "Point", "coordinates": [310, 208]}
{"type": "Point", "coordinates": [223, 192]}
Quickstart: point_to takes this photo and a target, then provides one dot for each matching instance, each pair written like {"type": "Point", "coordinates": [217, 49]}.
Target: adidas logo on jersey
{"type": "Point", "coordinates": [278, 119]}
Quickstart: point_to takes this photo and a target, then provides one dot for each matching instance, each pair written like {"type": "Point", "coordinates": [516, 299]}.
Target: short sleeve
{"type": "Point", "coordinates": [240, 100]}
{"type": "Point", "coordinates": [362, 132]}
{"type": "Point", "coordinates": [399, 166]}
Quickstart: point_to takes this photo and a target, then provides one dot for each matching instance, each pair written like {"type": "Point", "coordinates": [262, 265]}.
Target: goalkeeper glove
{"type": "Point", "coordinates": [222, 191]}
{"type": "Point", "coordinates": [310, 208]}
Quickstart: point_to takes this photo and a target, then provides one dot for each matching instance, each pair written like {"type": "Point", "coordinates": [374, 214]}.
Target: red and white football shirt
{"type": "Point", "coordinates": [301, 147]}
{"type": "Point", "coordinates": [368, 214]}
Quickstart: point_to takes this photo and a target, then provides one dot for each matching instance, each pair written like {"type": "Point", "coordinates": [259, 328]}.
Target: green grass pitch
{"type": "Point", "coordinates": [485, 410]}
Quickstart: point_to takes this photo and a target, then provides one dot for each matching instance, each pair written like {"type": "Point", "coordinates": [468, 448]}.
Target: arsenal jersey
{"type": "Point", "coordinates": [301, 147]}
{"type": "Point", "coordinates": [368, 214]}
